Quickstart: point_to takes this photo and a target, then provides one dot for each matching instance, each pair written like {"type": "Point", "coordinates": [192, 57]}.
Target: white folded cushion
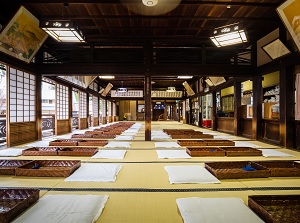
{"type": "Point", "coordinates": [11, 152]}
{"type": "Point", "coordinates": [172, 154]}
{"type": "Point", "coordinates": [114, 144]}
{"type": "Point", "coordinates": [245, 144]}
{"type": "Point", "coordinates": [166, 144]}
{"type": "Point", "coordinates": [274, 153]}
{"type": "Point", "coordinates": [190, 174]}
{"type": "Point", "coordinates": [95, 172]}
{"type": "Point", "coordinates": [110, 154]}
{"type": "Point", "coordinates": [128, 137]}
{"type": "Point", "coordinates": [215, 210]}
{"type": "Point", "coordinates": [65, 208]}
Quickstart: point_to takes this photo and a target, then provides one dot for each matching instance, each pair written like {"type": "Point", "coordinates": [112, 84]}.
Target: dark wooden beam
{"type": "Point", "coordinates": [169, 69]}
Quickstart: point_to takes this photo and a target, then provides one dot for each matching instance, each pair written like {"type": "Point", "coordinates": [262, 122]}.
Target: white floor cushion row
{"type": "Point", "coordinates": [274, 153]}
{"type": "Point", "coordinates": [123, 137]}
{"type": "Point", "coordinates": [11, 152]}
{"type": "Point", "coordinates": [110, 154]}
{"type": "Point", "coordinates": [65, 208]}
{"type": "Point", "coordinates": [172, 154]}
{"type": "Point", "coordinates": [95, 172]}
{"type": "Point", "coordinates": [246, 144]}
{"type": "Point", "coordinates": [115, 144]}
{"type": "Point", "coordinates": [166, 144]}
{"type": "Point", "coordinates": [215, 210]}
{"type": "Point", "coordinates": [190, 174]}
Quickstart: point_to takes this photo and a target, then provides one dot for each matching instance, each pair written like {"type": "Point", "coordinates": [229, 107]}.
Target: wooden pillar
{"type": "Point", "coordinates": [70, 109]}
{"type": "Point", "coordinates": [38, 91]}
{"type": "Point", "coordinates": [287, 99]}
{"type": "Point", "coordinates": [257, 108]}
{"type": "Point", "coordinates": [148, 106]}
{"type": "Point", "coordinates": [237, 107]}
{"type": "Point", "coordinates": [214, 111]}
{"type": "Point", "coordinates": [87, 108]}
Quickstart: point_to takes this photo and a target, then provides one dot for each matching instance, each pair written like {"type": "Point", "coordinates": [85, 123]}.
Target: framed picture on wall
{"type": "Point", "coordinates": [290, 16]}
{"type": "Point", "coordinates": [22, 37]}
{"type": "Point", "coordinates": [297, 98]}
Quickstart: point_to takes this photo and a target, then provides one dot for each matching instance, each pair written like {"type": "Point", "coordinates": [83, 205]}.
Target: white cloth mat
{"type": "Point", "coordinates": [245, 144]}
{"type": "Point", "coordinates": [119, 137]}
{"type": "Point", "coordinates": [114, 144]}
{"type": "Point", "coordinates": [39, 143]}
{"type": "Point", "coordinates": [172, 154]}
{"type": "Point", "coordinates": [11, 152]}
{"type": "Point", "coordinates": [95, 172]}
{"type": "Point", "coordinates": [166, 144]}
{"type": "Point", "coordinates": [131, 131]}
{"type": "Point", "coordinates": [128, 134]}
{"type": "Point", "coordinates": [65, 208]}
{"type": "Point", "coordinates": [222, 137]}
{"type": "Point", "coordinates": [274, 153]}
{"type": "Point", "coordinates": [110, 154]}
{"type": "Point", "coordinates": [215, 210]}
{"type": "Point", "coordinates": [155, 137]}
{"type": "Point", "coordinates": [190, 174]}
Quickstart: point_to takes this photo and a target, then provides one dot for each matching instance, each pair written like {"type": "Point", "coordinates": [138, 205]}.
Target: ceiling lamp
{"type": "Point", "coordinates": [107, 77]}
{"type": "Point", "coordinates": [62, 30]}
{"type": "Point", "coordinates": [229, 35]}
{"type": "Point", "coordinates": [184, 77]}
{"type": "Point", "coordinates": [150, 3]}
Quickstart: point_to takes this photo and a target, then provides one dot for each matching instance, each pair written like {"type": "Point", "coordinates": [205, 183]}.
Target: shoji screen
{"type": "Point", "coordinates": [103, 110]}
{"type": "Point", "coordinates": [83, 123]}
{"type": "Point", "coordinates": [62, 110]}
{"type": "Point", "coordinates": [22, 107]}
{"type": "Point", "coordinates": [109, 111]}
{"type": "Point", "coordinates": [95, 111]}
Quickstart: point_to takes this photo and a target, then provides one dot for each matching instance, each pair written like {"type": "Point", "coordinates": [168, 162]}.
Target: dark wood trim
{"type": "Point", "coordinates": [237, 107]}
{"type": "Point", "coordinates": [38, 111]}
{"type": "Point", "coordinates": [70, 108]}
{"type": "Point", "coordinates": [257, 108]}
{"type": "Point", "coordinates": [214, 111]}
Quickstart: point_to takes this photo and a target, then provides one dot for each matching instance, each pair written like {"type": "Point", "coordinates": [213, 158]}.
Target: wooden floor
{"type": "Point", "coordinates": [142, 192]}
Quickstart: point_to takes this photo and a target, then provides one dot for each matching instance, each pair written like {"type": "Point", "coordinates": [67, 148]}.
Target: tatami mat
{"type": "Point", "coordinates": [142, 191]}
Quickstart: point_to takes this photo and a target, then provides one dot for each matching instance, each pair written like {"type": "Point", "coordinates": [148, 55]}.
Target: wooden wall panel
{"type": "Point", "coordinates": [225, 125]}
{"type": "Point", "coordinates": [22, 132]}
{"type": "Point", "coordinates": [83, 124]}
{"type": "Point", "coordinates": [271, 131]}
{"type": "Point", "coordinates": [62, 127]}
{"type": "Point", "coordinates": [246, 128]}
{"type": "Point", "coordinates": [297, 137]}
{"type": "Point", "coordinates": [96, 121]}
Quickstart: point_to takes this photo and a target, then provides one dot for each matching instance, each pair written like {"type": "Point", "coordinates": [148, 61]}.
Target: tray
{"type": "Point", "coordinates": [234, 170]}
{"type": "Point", "coordinates": [92, 142]}
{"type": "Point", "coordinates": [78, 151]}
{"type": "Point", "coordinates": [82, 136]}
{"type": "Point", "coordinates": [7, 167]}
{"type": "Point", "coordinates": [63, 142]}
{"type": "Point", "coordinates": [48, 168]}
{"type": "Point", "coordinates": [182, 136]}
{"type": "Point", "coordinates": [191, 142]}
{"type": "Point", "coordinates": [218, 142]}
{"type": "Point", "coordinates": [201, 136]}
{"type": "Point", "coordinates": [104, 136]}
{"type": "Point", "coordinates": [93, 132]}
{"type": "Point", "coordinates": [280, 168]}
{"type": "Point", "coordinates": [276, 208]}
{"type": "Point", "coordinates": [205, 151]}
{"type": "Point", "coordinates": [41, 151]}
{"type": "Point", "coordinates": [242, 151]}
{"type": "Point", "coordinates": [14, 201]}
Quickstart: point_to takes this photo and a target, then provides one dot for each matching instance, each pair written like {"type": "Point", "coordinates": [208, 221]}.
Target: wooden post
{"type": "Point", "coordinates": [214, 111]}
{"type": "Point", "coordinates": [257, 108]}
{"type": "Point", "coordinates": [237, 107]}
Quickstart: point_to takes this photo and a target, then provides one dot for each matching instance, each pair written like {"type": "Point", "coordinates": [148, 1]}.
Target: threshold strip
{"type": "Point", "coordinates": [160, 189]}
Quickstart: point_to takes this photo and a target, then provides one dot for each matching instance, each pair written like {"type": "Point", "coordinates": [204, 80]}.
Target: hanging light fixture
{"type": "Point", "coordinates": [62, 30]}
{"type": "Point", "coordinates": [229, 35]}
{"type": "Point", "coordinates": [150, 3]}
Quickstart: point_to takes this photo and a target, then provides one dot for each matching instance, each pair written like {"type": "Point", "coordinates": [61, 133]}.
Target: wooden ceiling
{"type": "Point", "coordinates": [123, 41]}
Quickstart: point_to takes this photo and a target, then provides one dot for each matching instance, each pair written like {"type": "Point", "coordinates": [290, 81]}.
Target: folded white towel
{"type": "Point", "coordinates": [166, 144]}
{"type": "Point", "coordinates": [119, 137]}
{"type": "Point", "coordinates": [190, 174]}
{"type": "Point", "coordinates": [96, 172]}
{"type": "Point", "coordinates": [274, 153]}
{"type": "Point", "coordinates": [11, 152]}
{"type": "Point", "coordinates": [110, 154]}
{"type": "Point", "coordinates": [245, 144]}
{"type": "Point", "coordinates": [65, 208]}
{"type": "Point", "coordinates": [172, 154]}
{"type": "Point", "coordinates": [114, 144]}
{"type": "Point", "coordinates": [215, 210]}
